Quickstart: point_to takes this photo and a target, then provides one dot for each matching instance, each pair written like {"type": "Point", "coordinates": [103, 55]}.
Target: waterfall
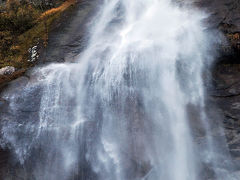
{"type": "Point", "coordinates": [122, 110]}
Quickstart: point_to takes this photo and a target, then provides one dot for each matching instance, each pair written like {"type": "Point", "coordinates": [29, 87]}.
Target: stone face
{"type": "Point", "coordinates": [224, 15]}
{"type": "Point", "coordinates": [69, 35]}
{"type": "Point", "coordinates": [226, 95]}
{"type": "Point", "coordinates": [225, 91]}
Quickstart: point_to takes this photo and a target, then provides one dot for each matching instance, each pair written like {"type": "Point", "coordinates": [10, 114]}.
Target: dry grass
{"type": "Point", "coordinates": [61, 8]}
{"type": "Point", "coordinates": [38, 33]}
{"type": "Point", "coordinates": [234, 36]}
{"type": "Point", "coordinates": [30, 38]}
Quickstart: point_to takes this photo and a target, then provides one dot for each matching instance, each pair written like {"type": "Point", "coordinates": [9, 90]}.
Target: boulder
{"type": "Point", "coordinates": [7, 70]}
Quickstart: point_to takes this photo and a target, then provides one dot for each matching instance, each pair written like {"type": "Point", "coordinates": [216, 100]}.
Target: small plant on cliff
{"type": "Point", "coordinates": [25, 23]}
{"type": "Point", "coordinates": [6, 41]}
{"type": "Point", "coordinates": [16, 17]}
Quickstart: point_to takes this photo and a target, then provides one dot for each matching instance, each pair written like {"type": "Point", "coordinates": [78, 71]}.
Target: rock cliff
{"type": "Point", "coordinates": [225, 84]}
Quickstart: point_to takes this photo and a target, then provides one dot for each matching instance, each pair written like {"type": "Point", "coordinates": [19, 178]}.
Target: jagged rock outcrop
{"type": "Point", "coordinates": [226, 94]}
{"type": "Point", "coordinates": [225, 84]}
{"type": "Point", "coordinates": [224, 15]}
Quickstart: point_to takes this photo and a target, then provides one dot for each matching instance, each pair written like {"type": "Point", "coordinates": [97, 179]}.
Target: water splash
{"type": "Point", "coordinates": [121, 111]}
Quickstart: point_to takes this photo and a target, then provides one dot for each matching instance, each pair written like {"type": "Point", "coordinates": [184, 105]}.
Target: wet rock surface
{"type": "Point", "coordinates": [224, 15]}
{"type": "Point", "coordinates": [69, 35]}
{"type": "Point", "coordinates": [223, 12]}
{"type": "Point", "coordinates": [225, 84]}
{"type": "Point", "coordinates": [226, 94]}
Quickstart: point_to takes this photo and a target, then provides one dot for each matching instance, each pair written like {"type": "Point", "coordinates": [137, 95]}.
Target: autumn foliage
{"type": "Point", "coordinates": [15, 18]}
{"type": "Point", "coordinates": [23, 23]}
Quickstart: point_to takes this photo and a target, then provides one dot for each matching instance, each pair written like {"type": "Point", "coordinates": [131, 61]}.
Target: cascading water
{"type": "Point", "coordinates": [121, 111]}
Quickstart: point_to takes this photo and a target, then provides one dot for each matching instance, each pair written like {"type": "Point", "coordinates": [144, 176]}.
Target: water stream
{"type": "Point", "coordinates": [121, 111]}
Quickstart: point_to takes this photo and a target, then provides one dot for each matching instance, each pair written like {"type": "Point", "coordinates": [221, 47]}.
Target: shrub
{"type": "Point", "coordinates": [17, 17]}
{"type": "Point", "coordinates": [6, 41]}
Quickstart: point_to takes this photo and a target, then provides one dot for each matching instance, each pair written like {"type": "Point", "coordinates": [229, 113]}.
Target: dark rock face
{"type": "Point", "coordinates": [226, 94]}
{"type": "Point", "coordinates": [225, 15]}
{"type": "Point", "coordinates": [69, 36]}
{"type": "Point", "coordinates": [225, 84]}
{"type": "Point", "coordinates": [225, 91]}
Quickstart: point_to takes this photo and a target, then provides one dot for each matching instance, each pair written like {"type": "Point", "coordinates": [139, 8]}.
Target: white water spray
{"type": "Point", "coordinates": [121, 111]}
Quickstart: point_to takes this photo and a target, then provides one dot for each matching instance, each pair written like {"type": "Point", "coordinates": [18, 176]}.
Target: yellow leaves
{"type": "Point", "coordinates": [16, 47]}
{"type": "Point", "coordinates": [234, 36]}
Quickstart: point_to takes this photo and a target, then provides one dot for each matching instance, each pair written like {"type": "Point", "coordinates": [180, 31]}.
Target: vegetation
{"type": "Point", "coordinates": [24, 24]}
